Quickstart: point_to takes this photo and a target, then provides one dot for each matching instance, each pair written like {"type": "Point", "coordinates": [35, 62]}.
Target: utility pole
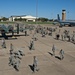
{"type": "Point", "coordinates": [36, 10]}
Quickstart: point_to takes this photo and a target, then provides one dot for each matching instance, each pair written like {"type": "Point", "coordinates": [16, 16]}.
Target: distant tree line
{"type": "Point", "coordinates": [4, 19]}
{"type": "Point", "coordinates": [41, 19]}
{"type": "Point", "coordinates": [44, 19]}
{"type": "Point", "coordinates": [19, 19]}
{"type": "Point", "coordinates": [38, 19]}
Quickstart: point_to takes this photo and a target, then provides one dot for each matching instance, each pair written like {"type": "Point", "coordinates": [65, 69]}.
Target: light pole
{"type": "Point", "coordinates": [36, 10]}
{"type": "Point", "coordinates": [51, 15]}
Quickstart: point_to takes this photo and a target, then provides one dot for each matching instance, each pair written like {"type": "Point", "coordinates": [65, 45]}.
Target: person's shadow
{"type": "Point", "coordinates": [31, 67]}
{"type": "Point", "coordinates": [29, 47]}
{"type": "Point", "coordinates": [50, 53]}
{"type": "Point", "coordinates": [55, 56]}
{"type": "Point", "coordinates": [58, 57]}
{"type": "Point", "coordinates": [15, 67]}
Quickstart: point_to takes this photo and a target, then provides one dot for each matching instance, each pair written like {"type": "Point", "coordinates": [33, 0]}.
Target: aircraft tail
{"type": "Point", "coordinates": [58, 17]}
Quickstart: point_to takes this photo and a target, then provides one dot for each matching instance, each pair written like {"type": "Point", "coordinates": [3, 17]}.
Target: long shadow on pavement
{"type": "Point", "coordinates": [50, 53]}
{"type": "Point", "coordinates": [58, 57]}
{"type": "Point", "coordinates": [31, 67]}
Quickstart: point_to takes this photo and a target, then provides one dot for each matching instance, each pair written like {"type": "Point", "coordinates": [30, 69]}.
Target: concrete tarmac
{"type": "Point", "coordinates": [47, 64]}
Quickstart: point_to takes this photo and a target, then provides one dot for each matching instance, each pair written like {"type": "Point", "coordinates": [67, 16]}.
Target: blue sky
{"type": "Point", "coordinates": [45, 8]}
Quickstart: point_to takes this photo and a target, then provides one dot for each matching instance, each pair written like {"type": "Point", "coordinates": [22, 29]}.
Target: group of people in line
{"type": "Point", "coordinates": [16, 56]}
{"type": "Point", "coordinates": [66, 36]}
{"type": "Point", "coordinates": [15, 59]}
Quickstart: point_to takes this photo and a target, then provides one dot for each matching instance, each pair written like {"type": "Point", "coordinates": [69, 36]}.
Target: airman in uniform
{"type": "Point", "coordinates": [35, 64]}
{"type": "Point", "coordinates": [31, 45]}
{"type": "Point", "coordinates": [11, 48]}
{"type": "Point", "coordinates": [61, 54]}
{"type": "Point", "coordinates": [53, 50]}
{"type": "Point", "coordinates": [3, 43]}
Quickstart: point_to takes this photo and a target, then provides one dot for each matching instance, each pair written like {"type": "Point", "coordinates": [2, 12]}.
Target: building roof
{"type": "Point", "coordinates": [30, 17]}
{"type": "Point", "coordinates": [18, 16]}
{"type": "Point", "coordinates": [27, 17]}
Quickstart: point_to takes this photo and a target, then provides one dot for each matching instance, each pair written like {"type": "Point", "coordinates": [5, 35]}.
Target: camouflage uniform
{"type": "Point", "coordinates": [11, 59]}
{"type": "Point", "coordinates": [53, 50]}
{"type": "Point", "coordinates": [31, 45]}
{"type": "Point", "coordinates": [3, 43]}
{"type": "Point", "coordinates": [11, 48]}
{"type": "Point", "coordinates": [61, 54]}
{"type": "Point", "coordinates": [25, 33]}
{"type": "Point", "coordinates": [35, 64]}
{"type": "Point", "coordinates": [62, 37]}
{"type": "Point", "coordinates": [16, 62]}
